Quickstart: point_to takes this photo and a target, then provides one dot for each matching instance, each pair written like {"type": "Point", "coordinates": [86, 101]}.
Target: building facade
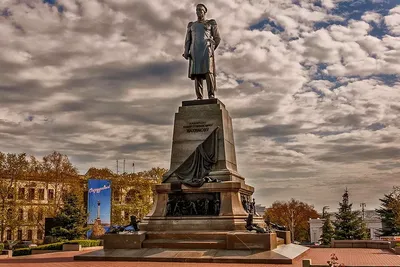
{"type": "Point", "coordinates": [371, 219]}
{"type": "Point", "coordinates": [27, 205]}
{"type": "Point", "coordinates": [33, 199]}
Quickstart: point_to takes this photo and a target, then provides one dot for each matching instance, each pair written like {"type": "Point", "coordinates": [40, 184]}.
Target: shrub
{"type": "Point", "coordinates": [85, 243]}
{"type": "Point", "coordinates": [1, 247]}
{"type": "Point", "coordinates": [397, 244]}
{"type": "Point", "coordinates": [54, 246]}
{"type": "Point", "coordinates": [22, 252]}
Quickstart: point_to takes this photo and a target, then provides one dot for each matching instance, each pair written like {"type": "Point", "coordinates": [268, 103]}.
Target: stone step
{"type": "Point", "coordinates": [199, 235]}
{"type": "Point", "coordinates": [184, 244]}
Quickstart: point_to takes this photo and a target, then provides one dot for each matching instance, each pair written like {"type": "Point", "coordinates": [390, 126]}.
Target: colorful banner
{"type": "Point", "coordinates": [99, 201]}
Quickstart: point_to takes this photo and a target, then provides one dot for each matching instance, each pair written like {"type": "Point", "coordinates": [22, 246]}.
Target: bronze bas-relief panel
{"type": "Point", "coordinates": [193, 204]}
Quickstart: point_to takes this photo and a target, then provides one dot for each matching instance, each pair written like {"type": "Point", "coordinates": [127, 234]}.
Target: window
{"type": "Point", "coordinates": [116, 195]}
{"type": "Point", "coordinates": [30, 215]}
{"type": "Point", "coordinates": [50, 194]}
{"type": "Point", "coordinates": [21, 193]}
{"type": "Point", "coordinates": [40, 214]}
{"type": "Point", "coordinates": [41, 194]}
{"type": "Point", "coordinates": [132, 195]}
{"type": "Point", "coordinates": [126, 215]}
{"type": "Point", "coordinates": [10, 195]}
{"type": "Point", "coordinates": [39, 234]}
{"type": "Point", "coordinates": [30, 235]}
{"type": "Point", "coordinates": [20, 214]}
{"type": "Point", "coordinates": [19, 234]}
{"type": "Point", "coordinates": [9, 236]}
{"type": "Point", "coordinates": [31, 193]}
{"type": "Point", "coordinates": [9, 213]}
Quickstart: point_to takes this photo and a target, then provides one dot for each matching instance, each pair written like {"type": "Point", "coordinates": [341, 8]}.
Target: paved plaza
{"type": "Point", "coordinates": [348, 256]}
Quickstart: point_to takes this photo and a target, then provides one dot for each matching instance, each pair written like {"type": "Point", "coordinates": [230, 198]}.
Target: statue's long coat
{"type": "Point", "coordinates": [202, 38]}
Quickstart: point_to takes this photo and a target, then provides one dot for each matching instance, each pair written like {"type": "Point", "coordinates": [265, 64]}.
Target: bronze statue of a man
{"type": "Point", "coordinates": [202, 38]}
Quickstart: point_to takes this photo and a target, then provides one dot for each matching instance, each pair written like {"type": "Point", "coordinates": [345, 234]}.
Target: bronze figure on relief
{"type": "Point", "coordinates": [202, 38]}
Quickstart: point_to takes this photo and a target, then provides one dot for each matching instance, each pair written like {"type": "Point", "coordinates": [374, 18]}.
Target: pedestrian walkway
{"type": "Point", "coordinates": [347, 256]}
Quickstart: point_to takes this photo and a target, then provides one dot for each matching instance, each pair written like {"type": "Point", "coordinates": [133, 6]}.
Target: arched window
{"type": "Point", "coordinates": [39, 234]}
{"type": "Point", "coordinates": [20, 214]}
{"type": "Point", "coordinates": [132, 195]}
{"type": "Point", "coordinates": [9, 213]}
{"type": "Point", "coordinates": [30, 215]}
{"type": "Point", "coordinates": [9, 234]}
{"type": "Point", "coordinates": [40, 214]}
{"type": "Point", "coordinates": [30, 234]}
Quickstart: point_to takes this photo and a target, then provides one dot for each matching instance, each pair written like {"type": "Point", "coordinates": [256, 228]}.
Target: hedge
{"type": "Point", "coordinates": [1, 247]}
{"type": "Point", "coordinates": [22, 252]}
{"type": "Point", "coordinates": [85, 243]}
{"type": "Point", "coordinates": [54, 246]}
{"type": "Point", "coordinates": [397, 244]}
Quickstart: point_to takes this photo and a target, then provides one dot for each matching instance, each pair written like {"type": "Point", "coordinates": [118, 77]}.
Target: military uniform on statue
{"type": "Point", "coordinates": [202, 38]}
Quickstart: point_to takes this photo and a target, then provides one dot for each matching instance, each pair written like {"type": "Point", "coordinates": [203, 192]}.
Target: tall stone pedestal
{"type": "Point", "coordinates": [194, 122]}
{"type": "Point", "coordinates": [204, 223]}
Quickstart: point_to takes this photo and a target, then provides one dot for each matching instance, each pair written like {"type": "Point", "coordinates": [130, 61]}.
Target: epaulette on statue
{"type": "Point", "coordinates": [212, 22]}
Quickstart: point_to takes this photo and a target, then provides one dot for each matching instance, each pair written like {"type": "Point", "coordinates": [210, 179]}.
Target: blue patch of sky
{"type": "Point", "coordinates": [355, 9]}
{"type": "Point", "coordinates": [30, 118]}
{"type": "Point", "coordinates": [327, 133]}
{"type": "Point", "coordinates": [388, 79]}
{"type": "Point", "coordinates": [240, 81]}
{"type": "Point", "coordinates": [321, 75]}
{"type": "Point", "coordinates": [266, 23]}
{"type": "Point", "coordinates": [6, 12]}
{"type": "Point", "coordinates": [284, 139]}
{"type": "Point", "coordinates": [376, 126]}
{"type": "Point", "coordinates": [54, 3]}
{"type": "Point", "coordinates": [378, 30]}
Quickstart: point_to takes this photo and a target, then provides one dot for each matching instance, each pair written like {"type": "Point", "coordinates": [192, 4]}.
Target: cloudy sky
{"type": "Point", "coordinates": [313, 87]}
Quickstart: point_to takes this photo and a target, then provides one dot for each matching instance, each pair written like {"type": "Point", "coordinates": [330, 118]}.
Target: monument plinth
{"type": "Point", "coordinates": [202, 190]}
{"type": "Point", "coordinates": [203, 206]}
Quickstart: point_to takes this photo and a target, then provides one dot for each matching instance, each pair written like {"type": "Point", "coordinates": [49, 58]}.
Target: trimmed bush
{"type": "Point", "coordinates": [54, 246]}
{"type": "Point", "coordinates": [85, 243]}
{"type": "Point", "coordinates": [21, 252]}
{"type": "Point", "coordinates": [1, 247]}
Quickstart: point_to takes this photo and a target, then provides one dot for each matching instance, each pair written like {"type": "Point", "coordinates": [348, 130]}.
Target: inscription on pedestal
{"type": "Point", "coordinates": [193, 204]}
{"type": "Point", "coordinates": [197, 127]}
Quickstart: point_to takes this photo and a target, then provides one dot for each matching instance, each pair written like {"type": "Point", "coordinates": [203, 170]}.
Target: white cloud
{"type": "Point", "coordinates": [392, 20]}
{"type": "Point", "coordinates": [371, 16]}
{"type": "Point", "coordinates": [103, 79]}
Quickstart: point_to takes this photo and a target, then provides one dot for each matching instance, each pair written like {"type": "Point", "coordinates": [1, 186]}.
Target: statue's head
{"type": "Point", "coordinates": [201, 10]}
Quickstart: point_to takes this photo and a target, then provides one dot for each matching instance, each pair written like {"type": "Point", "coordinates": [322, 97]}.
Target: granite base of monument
{"type": "Point", "coordinates": [200, 210]}
{"type": "Point", "coordinates": [284, 254]}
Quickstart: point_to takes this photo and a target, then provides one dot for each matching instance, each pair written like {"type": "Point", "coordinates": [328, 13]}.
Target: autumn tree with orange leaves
{"type": "Point", "coordinates": [293, 214]}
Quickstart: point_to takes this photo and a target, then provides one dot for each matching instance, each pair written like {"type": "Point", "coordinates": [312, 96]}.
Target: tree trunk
{"type": "Point", "coordinates": [3, 207]}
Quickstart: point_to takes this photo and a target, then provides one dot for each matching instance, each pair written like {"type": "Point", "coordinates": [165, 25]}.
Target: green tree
{"type": "Point", "coordinates": [389, 211]}
{"type": "Point", "coordinates": [72, 219]}
{"type": "Point", "coordinates": [328, 231]}
{"type": "Point", "coordinates": [348, 224]}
